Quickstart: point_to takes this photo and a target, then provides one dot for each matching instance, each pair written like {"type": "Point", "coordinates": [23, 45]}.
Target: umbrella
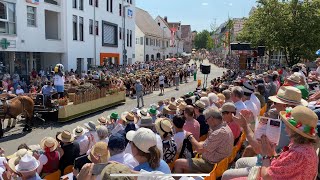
{"type": "Point", "coordinates": [173, 59]}
{"type": "Point", "coordinates": [168, 59]}
{"type": "Point", "coordinates": [179, 58]}
{"type": "Point", "coordinates": [318, 52]}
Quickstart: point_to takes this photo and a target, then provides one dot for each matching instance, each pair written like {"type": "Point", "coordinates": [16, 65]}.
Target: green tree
{"type": "Point", "coordinates": [203, 40]}
{"type": "Point", "coordinates": [292, 26]}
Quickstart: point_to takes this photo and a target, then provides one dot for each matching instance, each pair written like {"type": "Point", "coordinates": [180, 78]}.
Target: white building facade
{"type": "Point", "coordinates": [77, 33]}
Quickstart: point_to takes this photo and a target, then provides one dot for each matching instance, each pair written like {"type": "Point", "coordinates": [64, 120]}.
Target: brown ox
{"type": "Point", "coordinates": [19, 105]}
{"type": "Point", "coordinates": [7, 96]}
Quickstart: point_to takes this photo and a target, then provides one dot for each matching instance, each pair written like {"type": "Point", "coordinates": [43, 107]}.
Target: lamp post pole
{"type": "Point", "coordinates": [124, 33]}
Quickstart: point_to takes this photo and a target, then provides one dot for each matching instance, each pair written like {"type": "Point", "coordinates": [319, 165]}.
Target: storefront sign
{"type": "Point", "coordinates": [33, 1]}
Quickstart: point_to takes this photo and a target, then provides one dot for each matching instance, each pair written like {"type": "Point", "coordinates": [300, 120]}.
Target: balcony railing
{"type": "Point", "coordinates": [51, 2]}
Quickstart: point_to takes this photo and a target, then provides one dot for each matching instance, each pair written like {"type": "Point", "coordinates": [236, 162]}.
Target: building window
{"type": "Point", "coordinates": [7, 18]}
{"type": "Point", "coordinates": [81, 28]}
{"type": "Point", "coordinates": [75, 27]}
{"type": "Point", "coordinates": [97, 3]}
{"type": "Point", "coordinates": [109, 34]}
{"type": "Point", "coordinates": [120, 9]}
{"type": "Point", "coordinates": [141, 41]}
{"type": "Point", "coordinates": [31, 16]}
{"type": "Point", "coordinates": [137, 40]}
{"type": "Point", "coordinates": [167, 43]}
{"type": "Point", "coordinates": [90, 2]}
{"type": "Point", "coordinates": [90, 26]}
{"type": "Point", "coordinates": [130, 1]}
{"type": "Point", "coordinates": [110, 6]}
{"type": "Point", "coordinates": [147, 41]}
{"type": "Point", "coordinates": [96, 27]}
{"type": "Point", "coordinates": [120, 33]}
{"type": "Point", "coordinates": [127, 37]}
{"type": "Point", "coordinates": [89, 63]}
{"type": "Point", "coordinates": [74, 3]}
{"type": "Point", "coordinates": [81, 4]}
{"type": "Point", "coordinates": [130, 38]}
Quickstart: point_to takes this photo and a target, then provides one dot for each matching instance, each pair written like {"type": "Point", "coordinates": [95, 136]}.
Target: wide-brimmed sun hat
{"type": "Point", "coordinates": [116, 168]}
{"type": "Point", "coordinates": [200, 105]}
{"type": "Point", "coordinates": [100, 151]}
{"type": "Point", "coordinates": [248, 87]}
{"type": "Point", "coordinates": [130, 117]}
{"type": "Point", "coordinates": [27, 163]}
{"type": "Point", "coordinates": [143, 139]}
{"type": "Point", "coordinates": [78, 131]}
{"type": "Point", "coordinates": [49, 144]}
{"type": "Point", "coordinates": [15, 158]}
{"type": "Point", "coordinates": [102, 120]}
{"type": "Point", "coordinates": [289, 95]}
{"type": "Point", "coordinates": [171, 108]}
{"type": "Point", "coordinates": [301, 120]}
{"type": "Point", "coordinates": [163, 126]}
{"type": "Point", "coordinates": [123, 116]}
{"type": "Point", "coordinates": [182, 106]}
{"type": "Point", "coordinates": [295, 78]}
{"type": "Point", "coordinates": [66, 136]}
{"type": "Point", "coordinates": [143, 112]}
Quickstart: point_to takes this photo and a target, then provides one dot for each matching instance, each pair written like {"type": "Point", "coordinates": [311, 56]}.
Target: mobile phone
{"type": "Point", "coordinates": [97, 168]}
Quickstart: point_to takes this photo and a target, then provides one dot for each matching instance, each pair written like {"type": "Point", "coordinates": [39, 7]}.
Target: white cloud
{"type": "Point", "coordinates": [204, 4]}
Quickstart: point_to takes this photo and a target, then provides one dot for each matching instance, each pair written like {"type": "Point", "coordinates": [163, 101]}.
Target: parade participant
{"type": "Point", "coordinates": [59, 79]}
{"type": "Point", "coordinates": [161, 84]}
{"type": "Point", "coordinates": [139, 92]}
{"type": "Point", "coordinates": [216, 147]}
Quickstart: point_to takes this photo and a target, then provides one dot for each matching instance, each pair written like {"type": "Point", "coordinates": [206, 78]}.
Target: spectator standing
{"type": "Point", "coordinates": [139, 92]}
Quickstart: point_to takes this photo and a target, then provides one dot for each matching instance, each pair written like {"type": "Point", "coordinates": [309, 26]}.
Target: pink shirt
{"type": "Point", "coordinates": [300, 162]}
{"type": "Point", "coordinates": [235, 128]}
{"type": "Point", "coordinates": [193, 127]}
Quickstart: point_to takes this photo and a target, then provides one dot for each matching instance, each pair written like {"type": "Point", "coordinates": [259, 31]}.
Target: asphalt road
{"type": "Point", "coordinates": [15, 137]}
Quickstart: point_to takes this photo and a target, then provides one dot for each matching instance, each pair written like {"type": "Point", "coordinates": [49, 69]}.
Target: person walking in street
{"type": "Point", "coordinates": [139, 92]}
{"type": "Point", "coordinates": [161, 84]}
{"type": "Point", "coordinates": [176, 79]}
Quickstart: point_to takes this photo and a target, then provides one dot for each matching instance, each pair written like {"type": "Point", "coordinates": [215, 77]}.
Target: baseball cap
{"type": "Point", "coordinates": [228, 107]}
{"type": "Point", "coordinates": [143, 138]}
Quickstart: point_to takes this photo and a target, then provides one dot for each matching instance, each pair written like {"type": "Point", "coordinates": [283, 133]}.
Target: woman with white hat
{"type": "Point", "coordinates": [145, 151]}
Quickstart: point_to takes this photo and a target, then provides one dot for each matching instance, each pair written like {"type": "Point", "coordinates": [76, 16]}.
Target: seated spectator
{"type": "Point", "coordinates": [164, 128]}
{"type": "Point", "coordinates": [51, 156]}
{"type": "Point", "coordinates": [180, 135]}
{"type": "Point", "coordinates": [191, 124]}
{"type": "Point", "coordinates": [92, 132]}
{"type": "Point", "coordinates": [81, 139]}
{"type": "Point", "coordinates": [27, 168]}
{"type": "Point", "coordinates": [145, 151]}
{"type": "Point", "coordinates": [199, 107]}
{"type": "Point", "coordinates": [19, 90]}
{"type": "Point", "coordinates": [117, 145]}
{"type": "Point", "coordinates": [47, 89]}
{"type": "Point", "coordinates": [11, 91]}
{"type": "Point", "coordinates": [227, 110]}
{"type": "Point", "coordinates": [71, 150]}
{"type": "Point", "coordinates": [215, 148]}
{"type": "Point", "coordinates": [102, 132]}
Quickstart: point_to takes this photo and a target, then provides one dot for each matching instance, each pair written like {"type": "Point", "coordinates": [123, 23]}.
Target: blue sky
{"type": "Point", "coordinates": [198, 13]}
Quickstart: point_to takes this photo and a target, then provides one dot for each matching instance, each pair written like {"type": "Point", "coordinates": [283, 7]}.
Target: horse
{"type": "Point", "coordinates": [7, 96]}
{"type": "Point", "coordinates": [19, 105]}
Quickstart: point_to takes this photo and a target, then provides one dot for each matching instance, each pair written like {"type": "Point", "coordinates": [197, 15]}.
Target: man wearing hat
{"type": "Point", "coordinates": [139, 92]}
{"type": "Point", "coordinates": [227, 110]}
{"type": "Point", "coordinates": [81, 139]}
{"type": "Point", "coordinates": [294, 80]}
{"type": "Point", "coordinates": [248, 90]}
{"type": "Point", "coordinates": [117, 145]}
{"type": "Point", "coordinates": [27, 167]}
{"type": "Point", "coordinates": [71, 150]}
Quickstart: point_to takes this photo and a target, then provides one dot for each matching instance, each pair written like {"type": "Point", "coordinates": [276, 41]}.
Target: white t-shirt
{"type": "Point", "coordinates": [178, 138]}
{"type": "Point", "coordinates": [58, 80]}
{"type": "Point", "coordinates": [161, 79]}
{"type": "Point", "coordinates": [19, 91]}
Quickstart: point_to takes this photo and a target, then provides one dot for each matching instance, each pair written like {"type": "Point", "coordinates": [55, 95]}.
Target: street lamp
{"type": "Point", "coordinates": [124, 34]}
{"type": "Point", "coordinates": [163, 47]}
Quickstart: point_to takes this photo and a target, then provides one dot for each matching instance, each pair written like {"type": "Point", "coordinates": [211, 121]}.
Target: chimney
{"type": "Point", "coordinates": [166, 18]}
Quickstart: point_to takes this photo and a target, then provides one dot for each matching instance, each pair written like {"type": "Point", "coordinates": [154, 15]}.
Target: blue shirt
{"type": "Point", "coordinates": [162, 168]}
{"type": "Point", "coordinates": [46, 90]}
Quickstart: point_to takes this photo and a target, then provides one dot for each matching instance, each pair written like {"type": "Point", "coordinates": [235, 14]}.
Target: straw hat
{"type": "Point", "coordinates": [163, 126]}
{"type": "Point", "coordinates": [182, 106]}
{"type": "Point", "coordinates": [49, 144]}
{"type": "Point", "coordinates": [102, 120]}
{"type": "Point", "coordinates": [116, 168]}
{"type": "Point", "coordinates": [180, 100]}
{"type": "Point", "coordinates": [78, 131]}
{"type": "Point", "coordinates": [100, 150]}
{"type": "Point", "coordinates": [289, 95]}
{"type": "Point", "coordinates": [130, 117]}
{"type": "Point", "coordinates": [27, 163]}
{"type": "Point", "coordinates": [172, 107]}
{"type": "Point", "coordinates": [199, 104]}
{"type": "Point", "coordinates": [15, 158]}
{"type": "Point", "coordinates": [295, 78]}
{"type": "Point", "coordinates": [301, 120]}
{"type": "Point", "coordinates": [143, 112]}
{"type": "Point", "coordinates": [123, 116]}
{"type": "Point", "coordinates": [248, 87]}
{"type": "Point", "coordinates": [66, 136]}
{"type": "Point", "coordinates": [203, 94]}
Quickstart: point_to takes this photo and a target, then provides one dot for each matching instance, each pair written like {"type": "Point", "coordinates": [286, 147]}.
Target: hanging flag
{"type": "Point", "coordinates": [173, 33]}
{"type": "Point", "coordinates": [33, 1]}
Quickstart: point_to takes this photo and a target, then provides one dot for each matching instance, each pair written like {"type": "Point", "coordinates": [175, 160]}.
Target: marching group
{"type": "Point", "coordinates": [190, 134]}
